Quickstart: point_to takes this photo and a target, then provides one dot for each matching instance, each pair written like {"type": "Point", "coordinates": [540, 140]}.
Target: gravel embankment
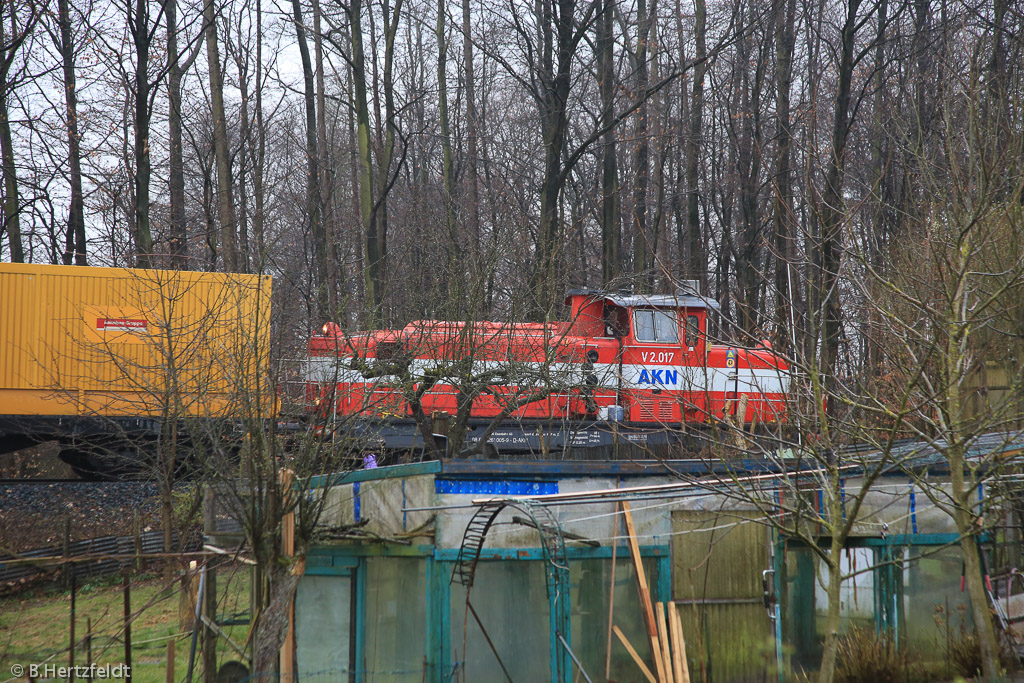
{"type": "Point", "coordinates": [32, 515]}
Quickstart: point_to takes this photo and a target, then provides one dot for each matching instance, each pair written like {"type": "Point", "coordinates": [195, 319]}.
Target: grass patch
{"type": "Point", "coordinates": [35, 627]}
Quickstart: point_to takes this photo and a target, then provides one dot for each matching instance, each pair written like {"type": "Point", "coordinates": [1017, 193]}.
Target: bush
{"type": "Point", "coordinates": [866, 656]}
{"type": "Point", "coordinates": [965, 654]}
{"type": "Point", "coordinates": [963, 647]}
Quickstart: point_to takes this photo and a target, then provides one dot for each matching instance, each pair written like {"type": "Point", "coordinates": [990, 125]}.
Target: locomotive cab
{"type": "Point", "coordinates": [653, 347]}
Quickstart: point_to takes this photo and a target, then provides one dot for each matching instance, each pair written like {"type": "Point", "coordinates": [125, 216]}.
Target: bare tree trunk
{"type": "Point", "coordinates": [391, 18]}
{"type": "Point", "coordinates": [696, 258]}
{"type": "Point", "coordinates": [273, 620]}
{"type": "Point", "coordinates": [244, 164]}
{"type": "Point", "coordinates": [876, 239]}
{"type": "Point", "coordinates": [956, 433]}
{"type": "Point", "coordinates": [212, 245]}
{"type": "Point", "coordinates": [328, 230]}
{"type": "Point", "coordinates": [313, 200]}
{"type": "Point", "coordinates": [355, 169]}
{"type": "Point", "coordinates": [555, 53]}
{"type": "Point", "coordinates": [831, 645]}
{"type": "Point", "coordinates": [261, 146]}
{"type": "Point", "coordinates": [138, 24]}
{"type": "Point", "coordinates": [784, 219]}
{"type": "Point", "coordinates": [447, 170]}
{"type": "Point", "coordinates": [12, 204]}
{"type": "Point", "coordinates": [225, 198]}
{"type": "Point", "coordinates": [748, 170]}
{"type": "Point", "coordinates": [75, 237]}
{"type": "Point", "coordinates": [611, 227]}
{"type": "Point", "coordinates": [472, 201]}
{"type": "Point", "coordinates": [642, 247]}
{"type": "Point", "coordinates": [371, 266]}
{"type": "Point", "coordinates": [660, 273]}
{"type": "Point", "coordinates": [831, 209]}
{"type": "Point", "coordinates": [176, 170]}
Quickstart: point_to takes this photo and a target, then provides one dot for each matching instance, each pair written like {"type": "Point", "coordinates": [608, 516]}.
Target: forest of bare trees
{"type": "Point", "coordinates": [388, 160]}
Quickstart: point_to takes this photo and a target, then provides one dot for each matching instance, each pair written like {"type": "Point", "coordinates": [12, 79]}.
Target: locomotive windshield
{"type": "Point", "coordinates": [656, 326]}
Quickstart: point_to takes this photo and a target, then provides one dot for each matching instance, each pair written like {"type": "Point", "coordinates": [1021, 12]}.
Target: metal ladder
{"type": "Point", "coordinates": [473, 541]}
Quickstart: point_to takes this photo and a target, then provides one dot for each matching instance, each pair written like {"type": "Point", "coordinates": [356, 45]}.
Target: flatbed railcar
{"type": "Point", "coordinates": [640, 368]}
{"type": "Point", "coordinates": [102, 360]}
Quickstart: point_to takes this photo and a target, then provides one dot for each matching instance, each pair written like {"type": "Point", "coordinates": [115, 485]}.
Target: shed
{"type": "Point", "coordinates": [385, 595]}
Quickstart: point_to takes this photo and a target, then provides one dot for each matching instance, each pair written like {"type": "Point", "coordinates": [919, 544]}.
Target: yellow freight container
{"type": "Point", "coordinates": [108, 342]}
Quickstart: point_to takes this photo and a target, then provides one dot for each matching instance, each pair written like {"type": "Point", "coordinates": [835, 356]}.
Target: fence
{"type": "Point", "coordinates": [116, 552]}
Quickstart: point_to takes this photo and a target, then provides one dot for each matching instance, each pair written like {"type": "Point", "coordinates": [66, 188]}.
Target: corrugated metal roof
{"type": "Point", "coordinates": [681, 300]}
{"type": "Point", "coordinates": [985, 449]}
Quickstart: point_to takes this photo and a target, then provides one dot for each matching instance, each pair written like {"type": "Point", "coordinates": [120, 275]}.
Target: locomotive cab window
{"type": "Point", "coordinates": [616, 321]}
{"type": "Point", "coordinates": [692, 331]}
{"type": "Point", "coordinates": [656, 326]}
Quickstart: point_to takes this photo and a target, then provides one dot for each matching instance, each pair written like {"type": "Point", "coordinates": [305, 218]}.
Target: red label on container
{"type": "Point", "coordinates": [121, 325]}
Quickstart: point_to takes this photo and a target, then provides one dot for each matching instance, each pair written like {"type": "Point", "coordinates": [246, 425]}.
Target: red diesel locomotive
{"type": "Point", "coordinates": [642, 361]}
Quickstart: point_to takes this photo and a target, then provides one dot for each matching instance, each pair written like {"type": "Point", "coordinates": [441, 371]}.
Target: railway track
{"type": "Point", "coordinates": [13, 481]}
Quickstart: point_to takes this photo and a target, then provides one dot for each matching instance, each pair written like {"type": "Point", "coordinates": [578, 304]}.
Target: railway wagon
{"type": "Point", "coordinates": [642, 362]}
{"type": "Point", "coordinates": [102, 359]}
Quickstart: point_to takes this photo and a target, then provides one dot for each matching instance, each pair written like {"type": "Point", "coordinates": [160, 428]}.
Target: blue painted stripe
{"type": "Point", "coordinates": [355, 500]}
{"type": "Point", "coordinates": [913, 510]}
{"type": "Point", "coordinates": [495, 487]}
{"type": "Point", "coordinates": [842, 496]}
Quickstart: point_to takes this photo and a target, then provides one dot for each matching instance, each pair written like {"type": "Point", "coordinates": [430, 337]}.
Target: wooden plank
{"type": "Point", "coordinates": [680, 649]}
{"type": "Point", "coordinates": [611, 596]}
{"type": "Point", "coordinates": [632, 653]}
{"type": "Point", "coordinates": [287, 655]}
{"type": "Point", "coordinates": [666, 650]}
{"type": "Point", "coordinates": [645, 592]}
{"type": "Point", "coordinates": [676, 637]}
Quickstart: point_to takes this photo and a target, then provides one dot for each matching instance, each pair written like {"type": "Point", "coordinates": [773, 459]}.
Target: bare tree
{"type": "Point", "coordinates": [949, 298]}
{"type": "Point", "coordinates": [20, 28]}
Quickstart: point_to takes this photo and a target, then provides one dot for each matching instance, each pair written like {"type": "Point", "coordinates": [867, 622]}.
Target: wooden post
{"type": "Point", "coordinates": [255, 596]}
{"type": "Point", "coordinates": [195, 625]}
{"type": "Point", "coordinates": [71, 649]}
{"type": "Point", "coordinates": [209, 511]}
{"type": "Point", "coordinates": [67, 551]}
{"type": "Point", "coordinates": [741, 422]}
{"type": "Point", "coordinates": [645, 592]}
{"type": "Point", "coordinates": [209, 634]}
{"type": "Point", "coordinates": [128, 625]}
{"type": "Point", "coordinates": [439, 421]}
{"type": "Point", "coordinates": [188, 596]}
{"type": "Point", "coordinates": [88, 647]}
{"type": "Point", "coordinates": [741, 412]}
{"type": "Point", "coordinates": [169, 670]}
{"type": "Point", "coordinates": [137, 537]}
{"type": "Point", "coordinates": [288, 550]}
